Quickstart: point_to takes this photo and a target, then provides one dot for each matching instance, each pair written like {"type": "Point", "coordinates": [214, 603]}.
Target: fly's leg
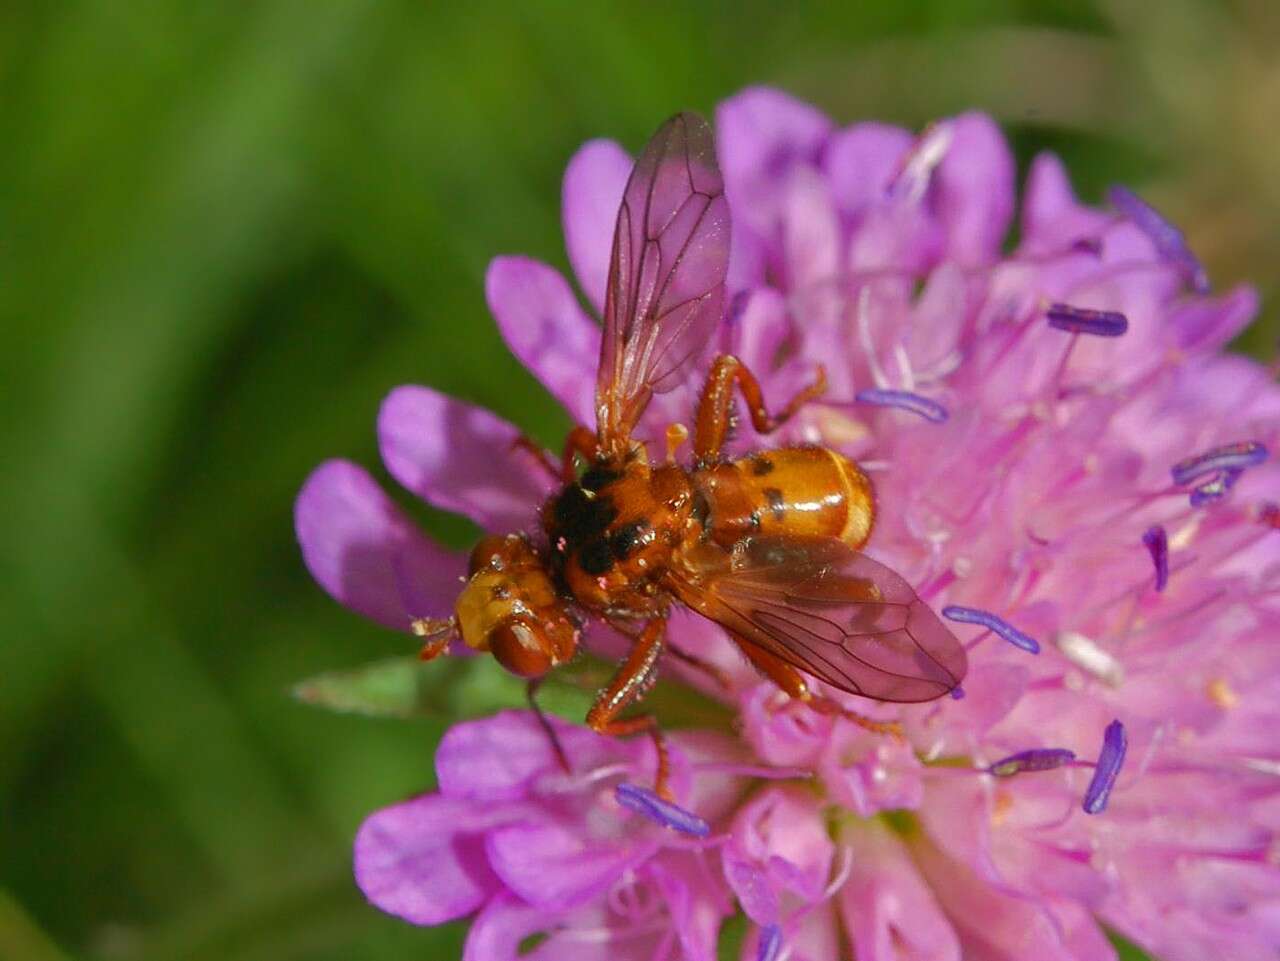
{"type": "Point", "coordinates": [531, 695]}
{"type": "Point", "coordinates": [436, 632]}
{"type": "Point", "coordinates": [715, 406]}
{"type": "Point", "coordinates": [719, 677]}
{"type": "Point", "coordinates": [629, 683]}
{"type": "Point", "coordinates": [794, 686]}
{"type": "Point", "coordinates": [534, 450]}
{"type": "Point", "coordinates": [580, 442]}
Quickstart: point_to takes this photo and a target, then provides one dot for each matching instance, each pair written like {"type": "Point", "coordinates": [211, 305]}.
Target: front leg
{"type": "Point", "coordinates": [715, 406]}
{"type": "Point", "coordinates": [629, 683]}
{"type": "Point", "coordinates": [580, 442]}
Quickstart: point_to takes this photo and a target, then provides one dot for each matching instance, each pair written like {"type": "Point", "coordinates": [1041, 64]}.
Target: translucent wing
{"type": "Point", "coordinates": [666, 280]}
{"type": "Point", "coordinates": [833, 613]}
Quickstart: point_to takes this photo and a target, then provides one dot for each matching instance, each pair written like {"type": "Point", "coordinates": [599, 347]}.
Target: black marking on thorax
{"type": "Point", "coordinates": [622, 540]}
{"type": "Point", "coordinates": [581, 517]}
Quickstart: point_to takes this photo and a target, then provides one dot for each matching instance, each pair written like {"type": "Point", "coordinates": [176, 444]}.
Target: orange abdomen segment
{"type": "Point", "coordinates": [797, 490]}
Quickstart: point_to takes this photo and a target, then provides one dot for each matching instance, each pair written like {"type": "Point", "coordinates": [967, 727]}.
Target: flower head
{"type": "Point", "coordinates": [1022, 415]}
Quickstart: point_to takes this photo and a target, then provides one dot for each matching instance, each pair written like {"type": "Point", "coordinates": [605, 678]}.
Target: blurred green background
{"type": "Point", "coordinates": [228, 229]}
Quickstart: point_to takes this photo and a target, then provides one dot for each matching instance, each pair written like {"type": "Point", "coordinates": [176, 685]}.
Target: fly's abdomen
{"type": "Point", "coordinates": [809, 491]}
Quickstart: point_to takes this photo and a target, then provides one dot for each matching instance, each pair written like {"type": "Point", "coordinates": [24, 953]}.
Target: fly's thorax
{"type": "Point", "coordinates": [510, 607]}
{"type": "Point", "coordinates": [810, 491]}
{"type": "Point", "coordinates": [612, 533]}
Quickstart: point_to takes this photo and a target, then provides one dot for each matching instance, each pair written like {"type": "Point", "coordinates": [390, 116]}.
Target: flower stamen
{"type": "Point", "coordinates": [643, 801]}
{"type": "Point", "coordinates": [1035, 759]}
{"type": "Point", "coordinates": [1237, 457]}
{"type": "Point", "coordinates": [1084, 653]}
{"type": "Point", "coordinates": [1158, 545]}
{"type": "Point", "coordinates": [1110, 759]}
{"type": "Point", "coordinates": [1169, 241]}
{"type": "Point", "coordinates": [1214, 490]}
{"type": "Point", "coordinates": [929, 409]}
{"type": "Point", "coordinates": [1082, 320]}
{"type": "Point", "coordinates": [770, 943]}
{"type": "Point", "coordinates": [924, 157]}
{"type": "Point", "coordinates": [973, 615]}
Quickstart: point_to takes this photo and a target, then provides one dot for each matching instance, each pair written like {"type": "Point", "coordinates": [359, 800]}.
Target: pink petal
{"type": "Point", "coordinates": [888, 909]}
{"type": "Point", "coordinates": [811, 233]}
{"type": "Point", "coordinates": [423, 859]}
{"type": "Point", "coordinates": [557, 865]}
{"type": "Point", "coordinates": [362, 549]}
{"type": "Point", "coordinates": [546, 330]}
{"type": "Point", "coordinates": [590, 198]}
{"type": "Point", "coordinates": [694, 900]}
{"type": "Point", "coordinates": [975, 190]}
{"type": "Point", "coordinates": [747, 259]}
{"type": "Point", "coordinates": [815, 936]}
{"type": "Point", "coordinates": [782, 733]}
{"type": "Point", "coordinates": [868, 773]}
{"type": "Point", "coordinates": [756, 327]}
{"type": "Point", "coordinates": [498, 930]}
{"type": "Point", "coordinates": [782, 829]}
{"type": "Point", "coordinates": [500, 757]}
{"type": "Point", "coordinates": [1209, 323]}
{"type": "Point", "coordinates": [761, 134]}
{"type": "Point", "coordinates": [1052, 220]}
{"type": "Point", "coordinates": [994, 926]}
{"type": "Point", "coordinates": [860, 163]}
{"type": "Point", "coordinates": [589, 933]}
{"type": "Point", "coordinates": [460, 458]}
{"type": "Point", "coordinates": [751, 887]}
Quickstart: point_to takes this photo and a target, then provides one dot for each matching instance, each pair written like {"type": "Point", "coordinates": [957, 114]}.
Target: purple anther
{"type": "Point", "coordinates": [737, 306]}
{"type": "Point", "coordinates": [1158, 544]}
{"type": "Point", "coordinates": [1082, 320]}
{"type": "Point", "coordinates": [1237, 456]}
{"type": "Point", "coordinates": [1168, 239]}
{"type": "Point", "coordinates": [1036, 759]}
{"type": "Point", "coordinates": [973, 615]}
{"type": "Point", "coordinates": [643, 801]}
{"type": "Point", "coordinates": [1215, 489]}
{"type": "Point", "coordinates": [1087, 245]}
{"type": "Point", "coordinates": [1110, 760]}
{"type": "Point", "coordinates": [930, 410]}
{"type": "Point", "coordinates": [957, 693]}
{"type": "Point", "coordinates": [770, 943]}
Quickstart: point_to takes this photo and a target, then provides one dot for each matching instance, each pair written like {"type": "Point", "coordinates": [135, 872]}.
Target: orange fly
{"type": "Point", "coordinates": [767, 546]}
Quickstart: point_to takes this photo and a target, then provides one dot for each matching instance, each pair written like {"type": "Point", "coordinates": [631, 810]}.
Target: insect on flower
{"type": "Point", "coordinates": [766, 545]}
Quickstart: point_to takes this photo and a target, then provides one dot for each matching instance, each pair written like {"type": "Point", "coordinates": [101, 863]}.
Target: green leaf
{"type": "Point", "coordinates": [396, 687]}
{"type": "Point", "coordinates": [458, 687]}
{"type": "Point", "coordinates": [733, 933]}
{"type": "Point", "coordinates": [1126, 950]}
{"type": "Point", "coordinates": [451, 688]}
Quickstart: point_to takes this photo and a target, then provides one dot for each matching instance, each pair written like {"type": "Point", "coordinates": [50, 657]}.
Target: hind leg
{"type": "Point", "coordinates": [715, 406]}
{"type": "Point", "coordinates": [794, 685]}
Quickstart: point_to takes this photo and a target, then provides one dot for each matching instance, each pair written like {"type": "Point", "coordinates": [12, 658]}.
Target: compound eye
{"type": "Point", "coordinates": [520, 648]}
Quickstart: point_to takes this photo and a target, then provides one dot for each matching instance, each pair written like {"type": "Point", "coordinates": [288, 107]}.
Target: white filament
{"type": "Point", "coordinates": [1085, 654]}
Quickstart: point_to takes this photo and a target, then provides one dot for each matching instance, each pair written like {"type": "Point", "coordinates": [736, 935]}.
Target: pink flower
{"type": "Point", "coordinates": [535, 850]}
{"type": "Point", "coordinates": [1067, 464]}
